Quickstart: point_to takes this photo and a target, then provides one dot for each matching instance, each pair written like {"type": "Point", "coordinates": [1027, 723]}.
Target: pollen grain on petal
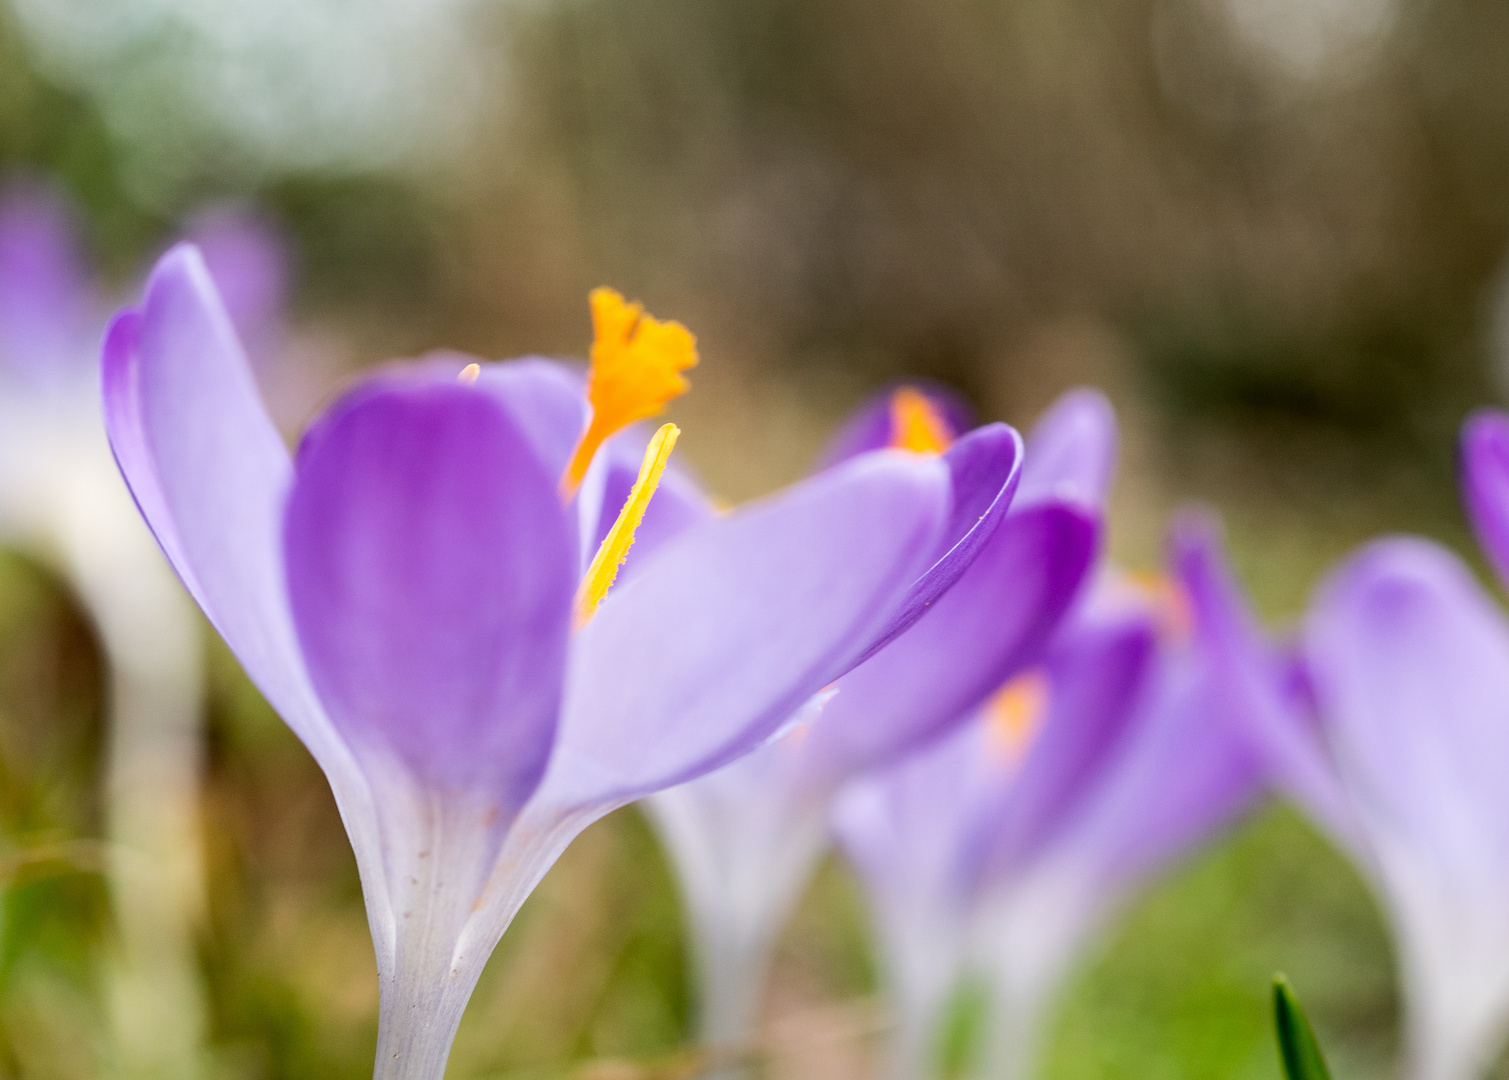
{"type": "Point", "coordinates": [615, 546]}
{"type": "Point", "coordinates": [916, 423]}
{"type": "Point", "coordinates": [637, 362]}
{"type": "Point", "coordinates": [1015, 714]}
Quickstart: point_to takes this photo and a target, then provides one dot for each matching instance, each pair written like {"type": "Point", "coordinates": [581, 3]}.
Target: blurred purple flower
{"type": "Point", "coordinates": [61, 498]}
{"type": "Point", "coordinates": [402, 594]}
{"type": "Point", "coordinates": [1002, 851]}
{"type": "Point", "coordinates": [1389, 728]}
{"type": "Point", "coordinates": [248, 259]}
{"type": "Point", "coordinates": [745, 840]}
{"type": "Point", "coordinates": [48, 318]}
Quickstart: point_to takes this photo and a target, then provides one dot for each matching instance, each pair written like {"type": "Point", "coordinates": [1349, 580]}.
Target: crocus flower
{"type": "Point", "coordinates": [410, 594]}
{"type": "Point", "coordinates": [1390, 731]}
{"type": "Point", "coordinates": [745, 840]}
{"type": "Point", "coordinates": [61, 499]}
{"type": "Point", "coordinates": [1002, 851]}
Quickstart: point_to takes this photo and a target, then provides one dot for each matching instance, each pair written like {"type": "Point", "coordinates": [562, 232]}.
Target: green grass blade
{"type": "Point", "coordinates": [1296, 1041]}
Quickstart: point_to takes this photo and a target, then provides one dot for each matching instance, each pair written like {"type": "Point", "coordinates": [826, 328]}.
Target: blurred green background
{"type": "Point", "coordinates": [1274, 231]}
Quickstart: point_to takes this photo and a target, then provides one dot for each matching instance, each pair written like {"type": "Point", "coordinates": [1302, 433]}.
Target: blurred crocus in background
{"type": "Point", "coordinates": [62, 500]}
{"type": "Point", "coordinates": [1387, 726]}
{"type": "Point", "coordinates": [1001, 853]}
{"type": "Point", "coordinates": [414, 596]}
{"type": "Point", "coordinates": [1273, 232]}
{"type": "Point", "coordinates": [745, 840]}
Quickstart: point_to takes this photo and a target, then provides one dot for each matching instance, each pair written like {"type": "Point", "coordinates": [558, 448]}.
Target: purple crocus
{"type": "Point", "coordinates": [62, 500]}
{"type": "Point", "coordinates": [1389, 728]}
{"type": "Point", "coordinates": [745, 840]}
{"type": "Point", "coordinates": [1001, 852]}
{"type": "Point", "coordinates": [409, 594]}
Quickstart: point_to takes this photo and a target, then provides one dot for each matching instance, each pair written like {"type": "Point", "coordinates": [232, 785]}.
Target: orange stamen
{"type": "Point", "coordinates": [637, 363]}
{"type": "Point", "coordinates": [916, 423]}
{"type": "Point", "coordinates": [1014, 715]}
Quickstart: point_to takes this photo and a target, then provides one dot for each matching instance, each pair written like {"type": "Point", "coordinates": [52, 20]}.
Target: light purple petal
{"type": "Point", "coordinates": [1098, 676]}
{"type": "Point", "coordinates": [869, 427]}
{"type": "Point", "coordinates": [1183, 771]}
{"type": "Point", "coordinates": [903, 826]}
{"type": "Point", "coordinates": [431, 570]}
{"type": "Point", "coordinates": [1485, 483]}
{"type": "Point", "coordinates": [900, 830]}
{"type": "Point", "coordinates": [47, 327]}
{"type": "Point", "coordinates": [1410, 664]}
{"type": "Point", "coordinates": [1071, 452]}
{"type": "Point", "coordinates": [729, 628]}
{"type": "Point", "coordinates": [992, 624]}
{"type": "Point", "coordinates": [208, 469]}
{"type": "Point", "coordinates": [548, 401]}
{"type": "Point", "coordinates": [1259, 686]}
{"type": "Point", "coordinates": [984, 467]}
{"type": "Point", "coordinates": [247, 258]}
{"type": "Point", "coordinates": [210, 474]}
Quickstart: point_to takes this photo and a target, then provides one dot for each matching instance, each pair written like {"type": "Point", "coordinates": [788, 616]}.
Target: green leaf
{"type": "Point", "coordinates": [1296, 1042]}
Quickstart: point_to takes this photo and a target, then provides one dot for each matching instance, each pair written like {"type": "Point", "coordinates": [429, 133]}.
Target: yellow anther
{"type": "Point", "coordinates": [615, 546]}
{"type": "Point", "coordinates": [1170, 607]}
{"type": "Point", "coordinates": [1015, 714]}
{"type": "Point", "coordinates": [637, 363]}
{"type": "Point", "coordinates": [916, 424]}
{"type": "Point", "coordinates": [469, 374]}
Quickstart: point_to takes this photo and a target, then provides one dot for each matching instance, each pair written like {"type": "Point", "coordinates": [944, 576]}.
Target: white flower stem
{"type": "Point", "coordinates": [156, 874]}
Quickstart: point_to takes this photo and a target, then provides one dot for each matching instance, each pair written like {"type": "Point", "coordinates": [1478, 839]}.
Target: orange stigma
{"type": "Point", "coordinates": [916, 423]}
{"type": "Point", "coordinates": [469, 374]}
{"type": "Point", "coordinates": [637, 363]}
{"type": "Point", "coordinates": [1014, 715]}
{"type": "Point", "coordinates": [615, 546]}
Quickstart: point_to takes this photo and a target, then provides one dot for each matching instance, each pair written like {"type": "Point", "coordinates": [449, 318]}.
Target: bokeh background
{"type": "Point", "coordinates": [1274, 231]}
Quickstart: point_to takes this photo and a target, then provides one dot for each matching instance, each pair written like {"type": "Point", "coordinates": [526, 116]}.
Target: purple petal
{"type": "Point", "coordinates": [1183, 771]}
{"type": "Point", "coordinates": [902, 826]}
{"type": "Point", "coordinates": [548, 401]}
{"type": "Point", "coordinates": [992, 624]}
{"type": "Point", "coordinates": [1485, 483]}
{"type": "Point", "coordinates": [210, 475]}
{"type": "Point", "coordinates": [1257, 685]}
{"type": "Point", "coordinates": [431, 571]}
{"type": "Point", "coordinates": [1411, 664]}
{"type": "Point", "coordinates": [47, 328]}
{"type": "Point", "coordinates": [247, 258]}
{"type": "Point", "coordinates": [899, 830]}
{"type": "Point", "coordinates": [869, 426]}
{"type": "Point", "coordinates": [729, 628]}
{"type": "Point", "coordinates": [1071, 452]}
{"type": "Point", "coordinates": [206, 466]}
{"type": "Point", "coordinates": [984, 467]}
{"type": "Point", "coordinates": [1098, 675]}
